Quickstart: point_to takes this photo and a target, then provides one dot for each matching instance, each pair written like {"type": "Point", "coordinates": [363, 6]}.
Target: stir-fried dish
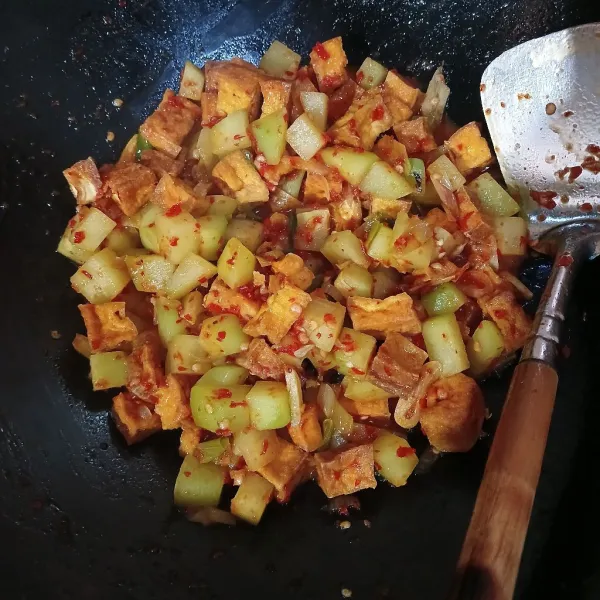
{"type": "Point", "coordinates": [295, 266]}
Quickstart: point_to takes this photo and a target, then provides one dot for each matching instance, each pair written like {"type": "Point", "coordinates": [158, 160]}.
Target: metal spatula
{"type": "Point", "coordinates": [542, 106]}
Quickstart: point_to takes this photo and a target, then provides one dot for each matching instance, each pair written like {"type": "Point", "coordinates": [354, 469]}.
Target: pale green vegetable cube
{"type": "Point", "coordinates": [384, 181]}
{"type": "Point", "coordinates": [270, 135]}
{"type": "Point", "coordinates": [269, 404]}
{"type": "Point", "coordinates": [444, 343]}
{"type": "Point", "coordinates": [191, 272]}
{"type": "Point", "coordinates": [186, 356]}
{"type": "Point", "coordinates": [354, 281]}
{"type": "Point", "coordinates": [484, 347]}
{"type": "Point", "coordinates": [443, 299]}
{"type": "Point", "coordinates": [415, 259]}
{"type": "Point", "coordinates": [353, 352]}
{"type": "Point", "coordinates": [395, 460]}
{"type": "Point", "coordinates": [236, 264]}
{"type": "Point", "coordinates": [149, 273]}
{"type": "Point", "coordinates": [444, 170]}
{"type": "Point", "coordinates": [212, 235]}
{"type": "Point", "coordinates": [108, 370]}
{"type": "Point", "coordinates": [211, 450]}
{"type": "Point", "coordinates": [220, 408]}
{"type": "Point", "coordinates": [352, 164]}
{"type": "Point", "coordinates": [167, 316]}
{"type": "Point", "coordinates": [191, 306]}
{"type": "Point", "coordinates": [322, 322]}
{"type": "Point", "coordinates": [198, 484]}
{"type": "Point", "coordinates": [225, 375]}
{"type": "Point", "coordinates": [362, 390]}
{"type": "Point", "coordinates": [101, 278]}
{"type": "Point", "coordinates": [292, 183]}
{"type": "Point", "coordinates": [312, 229]}
{"type": "Point", "coordinates": [250, 233]}
{"type": "Point", "coordinates": [342, 247]}
{"type": "Point", "coordinates": [231, 133]}
{"type": "Point", "coordinates": [494, 200]}
{"type": "Point", "coordinates": [257, 448]}
{"type": "Point", "coordinates": [279, 61]}
{"type": "Point", "coordinates": [511, 235]}
{"type": "Point", "coordinates": [371, 74]}
{"type": "Point", "coordinates": [201, 148]}
{"type": "Point", "coordinates": [192, 82]}
{"type": "Point", "coordinates": [122, 240]}
{"type": "Point", "coordinates": [146, 224]}
{"type": "Point", "coordinates": [177, 236]}
{"type": "Point", "coordinates": [379, 242]}
{"type": "Point", "coordinates": [223, 335]}
{"type": "Point", "coordinates": [72, 251]}
{"type": "Point", "coordinates": [315, 105]}
{"type": "Point", "coordinates": [252, 498]}
{"type": "Point", "coordinates": [305, 138]}
{"type": "Point", "coordinates": [222, 205]}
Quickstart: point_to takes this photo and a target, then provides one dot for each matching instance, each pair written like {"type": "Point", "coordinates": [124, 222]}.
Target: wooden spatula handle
{"type": "Point", "coordinates": [489, 562]}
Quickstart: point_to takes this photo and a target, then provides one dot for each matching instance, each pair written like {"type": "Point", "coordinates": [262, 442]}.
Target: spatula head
{"type": "Point", "coordinates": [542, 106]}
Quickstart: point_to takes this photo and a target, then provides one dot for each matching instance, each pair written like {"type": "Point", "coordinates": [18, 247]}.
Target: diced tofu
{"type": "Point", "coordinates": [134, 418]}
{"type": "Point", "coordinates": [468, 149]}
{"type": "Point", "coordinates": [392, 152]}
{"type": "Point", "coordinates": [399, 97]}
{"type": "Point", "coordinates": [131, 186]}
{"type": "Point", "coordinates": [172, 405]}
{"type": "Point", "coordinates": [84, 180]}
{"type": "Point", "coordinates": [510, 318]}
{"type": "Point", "coordinates": [286, 471]}
{"type": "Point", "coordinates": [241, 179]}
{"type": "Point", "coordinates": [316, 189]}
{"type": "Point", "coordinates": [415, 136]}
{"type": "Point", "coordinates": [395, 313]}
{"type": "Point", "coordinates": [262, 361]}
{"type": "Point", "coordinates": [145, 370]}
{"type": "Point", "coordinates": [347, 212]}
{"type": "Point", "coordinates": [454, 414]}
{"type": "Point", "coordinates": [171, 191]}
{"type": "Point", "coordinates": [210, 115]}
{"type": "Point", "coordinates": [222, 299]}
{"type": "Point", "coordinates": [190, 438]}
{"type": "Point", "coordinates": [470, 220]}
{"type": "Point", "coordinates": [278, 314]}
{"type": "Point", "coordinates": [291, 266]}
{"type": "Point", "coordinates": [276, 95]}
{"type": "Point", "coordinates": [329, 61]}
{"type": "Point", "coordinates": [371, 409]}
{"type": "Point", "coordinates": [307, 434]}
{"type": "Point", "coordinates": [397, 365]}
{"type": "Point", "coordinates": [389, 207]}
{"type": "Point", "coordinates": [170, 123]}
{"type": "Point", "coordinates": [107, 325]}
{"type": "Point", "coordinates": [346, 471]}
{"type": "Point", "coordinates": [161, 163]}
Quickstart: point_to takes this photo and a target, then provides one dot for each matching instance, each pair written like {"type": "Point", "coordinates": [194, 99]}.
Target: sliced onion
{"type": "Point", "coordinates": [408, 409]}
{"type": "Point", "coordinates": [435, 99]}
{"type": "Point", "coordinates": [207, 515]}
{"type": "Point", "coordinates": [294, 386]}
{"type": "Point", "coordinates": [342, 420]}
{"type": "Point", "coordinates": [332, 291]}
{"type": "Point", "coordinates": [447, 197]}
{"type": "Point", "coordinates": [517, 284]}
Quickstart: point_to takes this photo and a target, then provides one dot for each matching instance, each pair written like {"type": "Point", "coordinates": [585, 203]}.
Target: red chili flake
{"type": "Point", "coordinates": [187, 473]}
{"type": "Point", "coordinates": [586, 207]}
{"type": "Point", "coordinates": [565, 260]}
{"type": "Point", "coordinates": [347, 343]}
{"type": "Point", "coordinates": [403, 451]}
{"type": "Point", "coordinates": [231, 260]}
{"type": "Point", "coordinates": [241, 403]}
{"type": "Point", "coordinates": [542, 198]}
{"type": "Point", "coordinates": [251, 292]}
{"type": "Point", "coordinates": [221, 335]}
{"type": "Point", "coordinates": [356, 371]}
{"type": "Point", "coordinates": [223, 432]}
{"type": "Point", "coordinates": [401, 242]}
{"type": "Point", "coordinates": [238, 137]}
{"type": "Point", "coordinates": [329, 319]}
{"type": "Point", "coordinates": [202, 280]}
{"type": "Point", "coordinates": [181, 368]}
{"type": "Point", "coordinates": [174, 210]}
{"type": "Point", "coordinates": [568, 113]}
{"type": "Point", "coordinates": [221, 393]}
{"type": "Point", "coordinates": [86, 273]}
{"type": "Point", "coordinates": [72, 223]}
{"type": "Point", "coordinates": [359, 76]}
{"type": "Point", "coordinates": [78, 237]}
{"type": "Point", "coordinates": [574, 173]}
{"type": "Point", "coordinates": [265, 447]}
{"type": "Point", "coordinates": [378, 113]}
{"type": "Point", "coordinates": [321, 51]}
{"type": "Point", "coordinates": [216, 309]}
{"type": "Point", "coordinates": [317, 220]}
{"type": "Point", "coordinates": [337, 475]}
{"type": "Point", "coordinates": [591, 164]}
{"type": "Point", "coordinates": [173, 241]}
{"type": "Point", "coordinates": [356, 482]}
{"type": "Point", "coordinates": [500, 313]}
{"type": "Point", "coordinates": [319, 335]}
{"type": "Point", "coordinates": [593, 149]}
{"type": "Point", "coordinates": [387, 370]}
{"type": "Point", "coordinates": [377, 466]}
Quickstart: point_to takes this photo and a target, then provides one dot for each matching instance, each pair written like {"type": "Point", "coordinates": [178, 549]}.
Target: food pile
{"type": "Point", "coordinates": [295, 266]}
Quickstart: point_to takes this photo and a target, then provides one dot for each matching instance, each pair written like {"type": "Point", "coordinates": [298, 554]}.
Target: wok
{"type": "Point", "coordinates": [81, 514]}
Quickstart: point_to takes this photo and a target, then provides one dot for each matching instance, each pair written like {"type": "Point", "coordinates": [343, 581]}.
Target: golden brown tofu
{"type": "Point", "coordinates": [291, 266]}
{"type": "Point", "coordinates": [172, 405]}
{"type": "Point", "coordinates": [468, 149]}
{"type": "Point", "coordinates": [145, 366]}
{"type": "Point", "coordinates": [240, 178]}
{"type": "Point", "coordinates": [388, 207]}
{"type": "Point", "coordinates": [134, 418]}
{"type": "Point", "coordinates": [329, 61]}
{"type": "Point", "coordinates": [170, 123]}
{"type": "Point", "coordinates": [347, 471]}
{"type": "Point", "coordinates": [470, 220]}
{"type": "Point", "coordinates": [107, 325]}
{"type": "Point", "coordinates": [392, 152]}
{"type": "Point", "coordinates": [262, 361]}
{"type": "Point", "coordinates": [399, 97]}
{"type": "Point", "coordinates": [366, 409]}
{"type": "Point", "coordinates": [395, 313]}
{"type": "Point", "coordinates": [509, 316]}
{"type": "Point", "coordinates": [190, 438]}
{"type": "Point", "coordinates": [285, 471]}
{"type": "Point", "coordinates": [161, 163]}
{"type": "Point", "coordinates": [415, 136]}
{"type": "Point", "coordinates": [307, 434]}
{"type": "Point", "coordinates": [222, 299]}
{"type": "Point", "coordinates": [278, 313]}
{"type": "Point", "coordinates": [131, 186]}
{"type": "Point", "coordinates": [316, 189]}
{"type": "Point", "coordinates": [84, 180]}
{"type": "Point", "coordinates": [397, 365]}
{"type": "Point", "coordinates": [454, 414]}
{"type": "Point", "coordinates": [210, 115]}
{"type": "Point", "coordinates": [346, 213]}
{"type": "Point", "coordinates": [276, 95]}
{"type": "Point", "coordinates": [171, 191]}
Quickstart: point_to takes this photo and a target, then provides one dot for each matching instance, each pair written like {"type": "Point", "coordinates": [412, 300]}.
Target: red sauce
{"type": "Point", "coordinates": [574, 173]}
{"type": "Point", "coordinates": [321, 51]}
{"type": "Point", "coordinates": [591, 164]}
{"type": "Point", "coordinates": [403, 452]}
{"type": "Point", "coordinates": [221, 393]}
{"type": "Point", "coordinates": [337, 475]}
{"type": "Point", "coordinates": [251, 292]}
{"type": "Point", "coordinates": [587, 207]}
{"type": "Point", "coordinates": [173, 241]}
{"type": "Point", "coordinates": [217, 309]}
{"type": "Point", "coordinates": [78, 237]}
{"type": "Point", "coordinates": [565, 260]}
{"type": "Point", "coordinates": [593, 149]}
{"type": "Point", "coordinates": [221, 335]}
{"type": "Point", "coordinates": [378, 113]}
{"type": "Point", "coordinates": [174, 210]}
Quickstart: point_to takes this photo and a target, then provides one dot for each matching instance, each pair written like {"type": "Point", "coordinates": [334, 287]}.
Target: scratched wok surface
{"type": "Point", "coordinates": [82, 515]}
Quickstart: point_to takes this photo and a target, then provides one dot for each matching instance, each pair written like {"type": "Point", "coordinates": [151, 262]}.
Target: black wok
{"type": "Point", "coordinates": [82, 515]}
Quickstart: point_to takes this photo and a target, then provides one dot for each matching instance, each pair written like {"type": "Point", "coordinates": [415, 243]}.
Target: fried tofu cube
{"type": "Point", "coordinates": [453, 416]}
{"type": "Point", "coordinates": [161, 163]}
{"type": "Point", "coordinates": [134, 418]}
{"type": "Point", "coordinates": [145, 366]}
{"type": "Point", "coordinates": [415, 135]}
{"type": "Point", "coordinates": [376, 408]}
{"type": "Point", "coordinates": [291, 266]}
{"type": "Point", "coordinates": [240, 178]}
{"type": "Point", "coordinates": [276, 95]}
{"type": "Point", "coordinates": [170, 123]}
{"type": "Point", "coordinates": [131, 186]}
{"type": "Point", "coordinates": [470, 220]}
{"type": "Point", "coordinates": [396, 367]}
{"type": "Point", "coordinates": [278, 313]}
{"type": "Point", "coordinates": [468, 149]}
{"type": "Point", "coordinates": [107, 325]}
{"type": "Point", "coordinates": [189, 439]}
{"type": "Point", "coordinates": [222, 299]}
{"type": "Point", "coordinates": [347, 471]}
{"type": "Point", "coordinates": [399, 97]}
{"type": "Point", "coordinates": [389, 207]}
{"type": "Point", "coordinates": [392, 152]}
{"type": "Point", "coordinates": [285, 471]}
{"type": "Point", "coordinates": [347, 212]}
{"type": "Point", "coordinates": [509, 316]}
{"type": "Point", "coordinates": [394, 314]}
{"type": "Point", "coordinates": [210, 115]}
{"type": "Point", "coordinates": [262, 361]}
{"type": "Point", "coordinates": [172, 405]}
{"type": "Point", "coordinates": [307, 434]}
{"type": "Point", "coordinates": [316, 189]}
{"type": "Point", "coordinates": [172, 190]}
{"type": "Point", "coordinates": [84, 180]}
{"type": "Point", "coordinates": [329, 61]}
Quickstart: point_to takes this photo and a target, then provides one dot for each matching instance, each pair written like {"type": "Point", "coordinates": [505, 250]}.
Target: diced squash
{"type": "Point", "coordinates": [511, 235]}
{"type": "Point", "coordinates": [108, 370]}
{"type": "Point", "coordinates": [468, 149]}
{"type": "Point", "coordinates": [168, 320]}
{"type": "Point", "coordinates": [395, 460]}
{"type": "Point", "coordinates": [192, 271]}
{"type": "Point", "coordinates": [270, 135]}
{"type": "Point", "coordinates": [220, 408]}
{"type": "Point", "coordinates": [202, 148]}
{"type": "Point", "coordinates": [362, 390]}
{"type": "Point", "coordinates": [186, 356]}
{"type": "Point", "coordinates": [305, 137]}
{"type": "Point", "coordinates": [252, 498]}
{"type": "Point", "coordinates": [445, 298]}
{"type": "Point", "coordinates": [122, 240]}
{"type": "Point", "coordinates": [101, 278]}
{"type": "Point", "coordinates": [446, 173]}
{"type": "Point", "coordinates": [178, 235]}
{"type": "Point", "coordinates": [292, 183]}
{"type": "Point", "coordinates": [211, 450]}
{"type": "Point", "coordinates": [351, 163]}
{"type": "Point", "coordinates": [192, 82]}
{"type": "Point", "coordinates": [486, 345]}
{"type": "Point", "coordinates": [222, 205]}
{"type": "Point", "coordinates": [269, 404]}
{"type": "Point", "coordinates": [315, 105]}
{"type": "Point", "coordinates": [383, 181]}
{"type": "Point", "coordinates": [312, 229]}
{"type": "Point", "coordinates": [149, 273]}
{"type": "Point", "coordinates": [223, 335]}
{"type": "Point", "coordinates": [212, 235]}
{"type": "Point", "coordinates": [379, 242]}
{"type": "Point", "coordinates": [257, 448]}
{"type": "Point", "coordinates": [230, 133]}
{"type": "Point", "coordinates": [225, 375]}
{"type": "Point", "coordinates": [342, 247]}
{"type": "Point", "coordinates": [192, 307]}
{"type": "Point", "coordinates": [354, 281]}
{"type": "Point", "coordinates": [494, 200]}
{"type": "Point", "coordinates": [370, 74]}
{"type": "Point", "coordinates": [444, 344]}
{"type": "Point", "coordinates": [249, 233]}
{"type": "Point", "coordinates": [353, 352]}
{"type": "Point", "coordinates": [323, 322]}
{"type": "Point", "coordinates": [279, 61]}
{"type": "Point", "coordinates": [236, 264]}
{"type": "Point", "coordinates": [146, 224]}
{"type": "Point", "coordinates": [198, 484]}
